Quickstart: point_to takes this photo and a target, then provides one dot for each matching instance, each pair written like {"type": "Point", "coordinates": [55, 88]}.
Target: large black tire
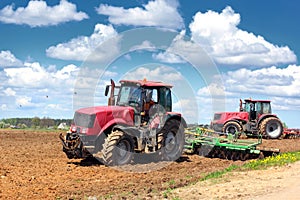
{"type": "Point", "coordinates": [171, 140]}
{"type": "Point", "coordinates": [117, 149]}
{"type": "Point", "coordinates": [232, 127]}
{"type": "Point", "coordinates": [271, 128]}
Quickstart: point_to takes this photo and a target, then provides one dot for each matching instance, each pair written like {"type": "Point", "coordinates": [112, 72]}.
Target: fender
{"type": "Point", "coordinates": [177, 116]}
{"type": "Point", "coordinates": [235, 119]}
{"type": "Point", "coordinates": [264, 116]}
{"type": "Point", "coordinates": [113, 123]}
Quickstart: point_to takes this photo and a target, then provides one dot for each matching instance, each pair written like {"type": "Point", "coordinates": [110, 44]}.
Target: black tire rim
{"type": "Point", "coordinates": [170, 142]}
{"type": "Point", "coordinates": [273, 129]}
{"type": "Point", "coordinates": [123, 151]}
{"type": "Point", "coordinates": [231, 129]}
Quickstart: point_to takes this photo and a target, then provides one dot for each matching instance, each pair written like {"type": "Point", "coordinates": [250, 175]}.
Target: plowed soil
{"type": "Point", "coordinates": [33, 166]}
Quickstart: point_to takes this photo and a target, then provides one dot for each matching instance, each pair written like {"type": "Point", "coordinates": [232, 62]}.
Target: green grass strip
{"type": "Point", "coordinates": [218, 174]}
{"type": "Point", "coordinates": [279, 160]}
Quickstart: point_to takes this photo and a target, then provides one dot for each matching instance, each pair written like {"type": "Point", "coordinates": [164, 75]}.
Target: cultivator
{"type": "Point", "coordinates": [290, 133]}
{"type": "Point", "coordinates": [209, 143]}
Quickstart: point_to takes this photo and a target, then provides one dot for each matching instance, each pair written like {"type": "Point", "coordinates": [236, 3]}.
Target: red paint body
{"type": "Point", "coordinates": [105, 117]}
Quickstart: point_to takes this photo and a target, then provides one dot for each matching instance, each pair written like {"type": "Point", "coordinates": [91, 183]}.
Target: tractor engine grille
{"type": "Point", "coordinates": [217, 116]}
{"type": "Point", "coordinates": [84, 120]}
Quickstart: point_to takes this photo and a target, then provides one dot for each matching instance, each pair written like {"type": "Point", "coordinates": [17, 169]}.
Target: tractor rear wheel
{"type": "Point", "coordinates": [271, 127]}
{"type": "Point", "coordinates": [170, 140]}
{"type": "Point", "coordinates": [232, 127]}
{"type": "Point", "coordinates": [117, 149]}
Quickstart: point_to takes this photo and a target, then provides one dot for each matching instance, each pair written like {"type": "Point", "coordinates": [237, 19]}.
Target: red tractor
{"type": "Point", "coordinates": [255, 117]}
{"type": "Point", "coordinates": [139, 119]}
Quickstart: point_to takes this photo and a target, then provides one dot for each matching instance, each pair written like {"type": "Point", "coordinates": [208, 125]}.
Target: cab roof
{"type": "Point", "coordinates": [147, 83]}
{"type": "Point", "coordinates": [252, 100]}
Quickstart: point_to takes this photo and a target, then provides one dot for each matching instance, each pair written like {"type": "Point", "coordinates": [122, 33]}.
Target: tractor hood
{"type": "Point", "coordinates": [226, 116]}
{"type": "Point", "coordinates": [98, 118]}
{"type": "Point", "coordinates": [103, 109]}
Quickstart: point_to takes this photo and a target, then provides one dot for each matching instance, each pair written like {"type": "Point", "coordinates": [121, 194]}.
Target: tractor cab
{"type": "Point", "coordinates": [145, 97]}
{"type": "Point", "coordinates": [256, 108]}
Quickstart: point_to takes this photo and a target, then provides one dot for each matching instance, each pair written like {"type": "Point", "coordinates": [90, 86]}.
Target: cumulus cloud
{"type": "Point", "coordinates": [3, 107]}
{"type": "Point", "coordinates": [24, 101]}
{"type": "Point", "coordinates": [144, 45]}
{"type": "Point", "coordinates": [220, 36]}
{"type": "Point", "coordinates": [159, 13]}
{"type": "Point", "coordinates": [7, 59]}
{"type": "Point", "coordinates": [33, 75]}
{"type": "Point", "coordinates": [188, 108]}
{"type": "Point", "coordinates": [49, 89]}
{"type": "Point", "coordinates": [272, 81]}
{"type": "Point", "coordinates": [9, 92]}
{"type": "Point", "coordinates": [81, 47]}
{"type": "Point", "coordinates": [168, 57]}
{"type": "Point", "coordinates": [38, 13]}
{"type": "Point", "coordinates": [161, 73]}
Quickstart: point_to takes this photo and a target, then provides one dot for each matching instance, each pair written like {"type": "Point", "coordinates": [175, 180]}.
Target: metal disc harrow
{"type": "Point", "coordinates": [290, 133]}
{"type": "Point", "coordinates": [209, 143]}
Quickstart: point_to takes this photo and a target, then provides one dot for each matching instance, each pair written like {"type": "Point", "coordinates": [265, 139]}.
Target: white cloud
{"type": "Point", "coordinates": [220, 36]}
{"type": "Point", "coordinates": [214, 89]}
{"type": "Point", "coordinates": [127, 57]}
{"type": "Point", "coordinates": [38, 13]}
{"type": "Point", "coordinates": [188, 108]}
{"type": "Point", "coordinates": [161, 73]}
{"type": "Point", "coordinates": [272, 81]}
{"type": "Point", "coordinates": [33, 75]}
{"type": "Point", "coordinates": [7, 59]}
{"type": "Point", "coordinates": [286, 103]}
{"type": "Point", "coordinates": [3, 107]}
{"type": "Point", "coordinates": [168, 57]}
{"type": "Point", "coordinates": [51, 90]}
{"type": "Point", "coordinates": [81, 47]}
{"type": "Point", "coordinates": [9, 92]}
{"type": "Point", "coordinates": [57, 107]}
{"type": "Point", "coordinates": [144, 45]}
{"type": "Point", "coordinates": [24, 101]}
{"type": "Point", "coordinates": [160, 13]}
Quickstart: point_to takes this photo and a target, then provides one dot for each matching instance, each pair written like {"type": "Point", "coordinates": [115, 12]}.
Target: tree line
{"type": "Point", "coordinates": [34, 122]}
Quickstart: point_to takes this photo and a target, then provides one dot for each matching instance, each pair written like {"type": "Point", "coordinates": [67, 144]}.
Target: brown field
{"type": "Point", "coordinates": [33, 166]}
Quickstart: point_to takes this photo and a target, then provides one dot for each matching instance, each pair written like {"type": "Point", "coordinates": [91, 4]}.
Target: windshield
{"type": "Point", "coordinates": [249, 106]}
{"type": "Point", "coordinates": [129, 94]}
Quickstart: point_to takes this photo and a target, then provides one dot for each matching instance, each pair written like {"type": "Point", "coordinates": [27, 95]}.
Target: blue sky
{"type": "Point", "coordinates": [56, 56]}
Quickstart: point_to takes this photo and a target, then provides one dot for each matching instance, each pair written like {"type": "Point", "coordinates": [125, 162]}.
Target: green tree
{"type": "Point", "coordinates": [35, 122]}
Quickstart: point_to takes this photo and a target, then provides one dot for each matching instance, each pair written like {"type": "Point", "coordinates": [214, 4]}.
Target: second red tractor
{"type": "Point", "coordinates": [255, 117]}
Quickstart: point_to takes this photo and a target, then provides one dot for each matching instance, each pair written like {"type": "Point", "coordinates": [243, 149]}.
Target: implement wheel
{"type": "Point", "coordinates": [117, 149]}
{"type": "Point", "coordinates": [271, 127]}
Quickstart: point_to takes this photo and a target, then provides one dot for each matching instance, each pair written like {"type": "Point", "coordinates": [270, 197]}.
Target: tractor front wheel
{"type": "Point", "coordinates": [117, 149]}
{"type": "Point", "coordinates": [271, 127]}
{"type": "Point", "coordinates": [232, 127]}
{"type": "Point", "coordinates": [171, 140]}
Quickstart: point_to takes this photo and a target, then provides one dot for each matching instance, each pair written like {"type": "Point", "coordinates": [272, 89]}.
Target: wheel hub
{"type": "Point", "coordinates": [273, 129]}
{"type": "Point", "coordinates": [170, 142]}
{"type": "Point", "coordinates": [123, 149]}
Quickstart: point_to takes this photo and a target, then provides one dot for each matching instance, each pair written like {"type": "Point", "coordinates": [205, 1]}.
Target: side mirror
{"type": "Point", "coordinates": [106, 90]}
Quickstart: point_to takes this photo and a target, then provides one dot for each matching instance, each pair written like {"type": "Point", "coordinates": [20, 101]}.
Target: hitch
{"type": "Point", "coordinates": [72, 145]}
